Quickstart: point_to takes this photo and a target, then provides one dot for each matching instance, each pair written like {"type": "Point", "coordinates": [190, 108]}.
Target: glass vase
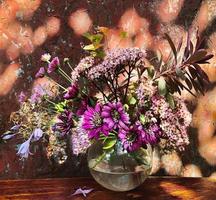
{"type": "Point", "coordinates": [117, 169]}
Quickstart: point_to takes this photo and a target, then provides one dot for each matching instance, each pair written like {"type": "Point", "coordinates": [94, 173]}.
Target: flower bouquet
{"type": "Point", "coordinates": [119, 104]}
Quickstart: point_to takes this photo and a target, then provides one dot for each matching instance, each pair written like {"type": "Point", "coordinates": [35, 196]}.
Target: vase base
{"type": "Point", "coordinates": [119, 182]}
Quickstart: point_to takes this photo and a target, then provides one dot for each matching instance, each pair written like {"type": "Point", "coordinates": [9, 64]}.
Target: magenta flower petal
{"type": "Point", "coordinates": [72, 92]}
{"type": "Point", "coordinates": [22, 97]}
{"type": "Point", "coordinates": [53, 65]}
{"type": "Point", "coordinates": [40, 73]}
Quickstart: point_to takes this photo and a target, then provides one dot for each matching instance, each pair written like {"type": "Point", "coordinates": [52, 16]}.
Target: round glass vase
{"type": "Point", "coordinates": [117, 169]}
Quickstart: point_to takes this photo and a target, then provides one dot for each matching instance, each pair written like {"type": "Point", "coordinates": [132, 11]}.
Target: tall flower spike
{"type": "Point", "coordinates": [79, 139]}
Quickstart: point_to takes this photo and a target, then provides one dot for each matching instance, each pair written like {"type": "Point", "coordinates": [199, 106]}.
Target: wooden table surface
{"type": "Point", "coordinates": [154, 188]}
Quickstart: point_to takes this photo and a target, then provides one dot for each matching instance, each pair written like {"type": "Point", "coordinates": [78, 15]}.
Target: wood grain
{"type": "Point", "coordinates": [154, 188]}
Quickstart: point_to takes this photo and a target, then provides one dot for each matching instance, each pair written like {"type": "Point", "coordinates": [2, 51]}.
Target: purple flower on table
{"type": "Point", "coordinates": [72, 92]}
{"type": "Point", "coordinates": [53, 65]}
{"type": "Point", "coordinates": [93, 122]}
{"type": "Point", "coordinates": [40, 73]}
{"type": "Point", "coordinates": [22, 97]}
{"type": "Point", "coordinates": [115, 116]}
{"type": "Point", "coordinates": [65, 123]}
{"type": "Point", "coordinates": [131, 139]}
{"type": "Point", "coordinates": [84, 192]}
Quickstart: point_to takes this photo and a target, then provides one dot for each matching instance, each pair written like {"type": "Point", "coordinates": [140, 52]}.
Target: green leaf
{"type": "Point", "coordinates": [172, 45]}
{"type": "Point", "coordinates": [109, 143]}
{"type": "Point", "coordinates": [143, 119]}
{"type": "Point", "coordinates": [132, 100]}
{"type": "Point", "coordinates": [60, 107]}
{"type": "Point", "coordinates": [162, 86]}
{"type": "Point", "coordinates": [151, 72]}
{"type": "Point", "coordinates": [197, 56]}
{"type": "Point", "coordinates": [180, 73]}
{"type": "Point", "coordinates": [88, 36]}
{"type": "Point", "coordinates": [171, 101]}
{"type": "Point", "coordinates": [90, 47]}
{"type": "Point", "coordinates": [97, 38]}
{"type": "Point", "coordinates": [126, 107]}
{"type": "Point", "coordinates": [100, 54]}
{"type": "Point", "coordinates": [123, 34]}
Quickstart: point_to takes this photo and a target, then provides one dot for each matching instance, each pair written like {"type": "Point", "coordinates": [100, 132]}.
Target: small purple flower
{"type": "Point", "coordinates": [53, 65]}
{"type": "Point", "coordinates": [15, 128]}
{"type": "Point", "coordinates": [8, 136]}
{"type": "Point", "coordinates": [72, 92]}
{"type": "Point", "coordinates": [65, 123]}
{"type": "Point", "coordinates": [131, 139]}
{"type": "Point", "coordinates": [37, 134]}
{"type": "Point", "coordinates": [40, 73]}
{"type": "Point", "coordinates": [38, 93]}
{"type": "Point", "coordinates": [93, 122]}
{"type": "Point", "coordinates": [115, 116]}
{"type": "Point", "coordinates": [22, 97]}
{"type": "Point", "coordinates": [23, 150]}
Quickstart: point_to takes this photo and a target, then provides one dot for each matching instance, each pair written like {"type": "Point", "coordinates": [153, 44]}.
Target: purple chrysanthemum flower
{"type": "Point", "coordinates": [93, 122]}
{"type": "Point", "coordinates": [131, 139]}
{"type": "Point", "coordinates": [22, 97]}
{"type": "Point", "coordinates": [72, 92]}
{"type": "Point", "coordinates": [150, 135]}
{"type": "Point", "coordinates": [53, 65]}
{"type": "Point", "coordinates": [65, 123]}
{"type": "Point", "coordinates": [40, 73]}
{"type": "Point", "coordinates": [115, 116]}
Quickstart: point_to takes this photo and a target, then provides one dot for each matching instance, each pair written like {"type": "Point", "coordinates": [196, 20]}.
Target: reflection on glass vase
{"type": "Point", "coordinates": [117, 169]}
